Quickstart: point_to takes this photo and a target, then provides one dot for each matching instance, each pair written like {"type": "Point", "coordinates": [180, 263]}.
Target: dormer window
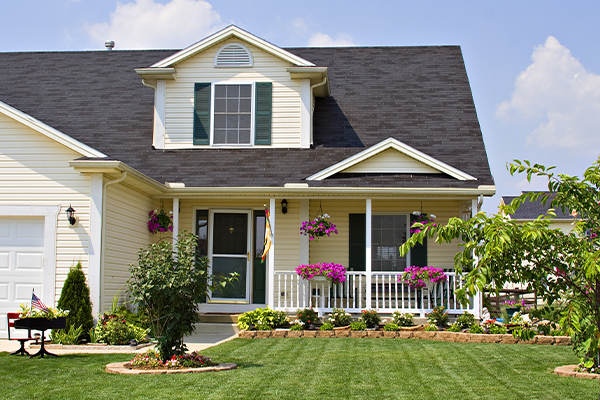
{"type": "Point", "coordinates": [233, 55]}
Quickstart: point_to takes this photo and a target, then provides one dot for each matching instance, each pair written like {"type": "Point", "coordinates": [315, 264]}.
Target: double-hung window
{"type": "Point", "coordinates": [232, 114]}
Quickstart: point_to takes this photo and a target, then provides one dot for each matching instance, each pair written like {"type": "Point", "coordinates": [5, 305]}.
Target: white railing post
{"type": "Point", "coordinates": [368, 253]}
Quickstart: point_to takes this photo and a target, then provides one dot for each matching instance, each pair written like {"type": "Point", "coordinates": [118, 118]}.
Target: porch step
{"type": "Point", "coordinates": [219, 318]}
{"type": "Point", "coordinates": [214, 328]}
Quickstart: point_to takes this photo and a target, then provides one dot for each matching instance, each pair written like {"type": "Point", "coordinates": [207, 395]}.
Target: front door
{"type": "Point", "coordinates": [230, 253]}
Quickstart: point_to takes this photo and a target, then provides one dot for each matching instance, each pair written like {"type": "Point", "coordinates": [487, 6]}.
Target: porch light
{"type": "Point", "coordinates": [71, 215]}
{"type": "Point", "coordinates": [284, 205]}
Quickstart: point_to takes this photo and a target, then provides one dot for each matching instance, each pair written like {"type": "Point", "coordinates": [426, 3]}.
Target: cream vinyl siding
{"type": "Point", "coordinates": [391, 161]}
{"type": "Point", "coordinates": [34, 170]}
{"type": "Point", "coordinates": [267, 68]}
{"type": "Point", "coordinates": [126, 233]}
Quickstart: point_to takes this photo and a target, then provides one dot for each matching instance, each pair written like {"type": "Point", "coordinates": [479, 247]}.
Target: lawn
{"type": "Point", "coordinates": [320, 368]}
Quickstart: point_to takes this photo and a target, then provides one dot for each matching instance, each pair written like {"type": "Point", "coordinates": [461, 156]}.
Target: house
{"type": "Point", "coordinates": [215, 132]}
{"type": "Point", "coordinates": [530, 210]}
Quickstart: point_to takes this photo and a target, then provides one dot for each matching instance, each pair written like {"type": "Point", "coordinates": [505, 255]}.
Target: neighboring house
{"type": "Point", "coordinates": [214, 133]}
{"type": "Point", "coordinates": [530, 210]}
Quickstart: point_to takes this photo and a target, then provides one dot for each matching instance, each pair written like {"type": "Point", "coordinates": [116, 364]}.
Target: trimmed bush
{"type": "Point", "coordinates": [75, 297]}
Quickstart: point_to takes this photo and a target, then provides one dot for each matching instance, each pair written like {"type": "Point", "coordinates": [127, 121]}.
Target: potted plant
{"type": "Point", "coordinates": [159, 221]}
{"type": "Point", "coordinates": [422, 277]}
{"type": "Point", "coordinates": [423, 220]}
{"type": "Point", "coordinates": [334, 273]}
{"type": "Point", "coordinates": [317, 228]}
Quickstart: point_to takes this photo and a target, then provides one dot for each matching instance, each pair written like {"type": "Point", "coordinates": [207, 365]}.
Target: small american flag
{"type": "Point", "coordinates": [37, 303]}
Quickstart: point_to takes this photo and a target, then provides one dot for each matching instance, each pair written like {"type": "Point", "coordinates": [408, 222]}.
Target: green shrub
{"type": "Point", "coordinates": [498, 330]}
{"type": "Point", "coordinates": [370, 318]}
{"type": "Point", "coordinates": [438, 317]}
{"type": "Point", "coordinates": [114, 329]}
{"type": "Point", "coordinates": [391, 327]}
{"type": "Point", "coordinates": [60, 336]}
{"type": "Point", "coordinates": [465, 320]}
{"type": "Point", "coordinates": [358, 326]}
{"type": "Point", "coordinates": [455, 327]}
{"type": "Point", "coordinates": [476, 329]}
{"type": "Point", "coordinates": [264, 327]}
{"type": "Point", "coordinates": [169, 285]}
{"type": "Point", "coordinates": [307, 316]}
{"type": "Point", "coordinates": [430, 328]}
{"type": "Point", "coordinates": [296, 327]}
{"type": "Point", "coordinates": [75, 297]}
{"type": "Point", "coordinates": [326, 327]}
{"type": "Point", "coordinates": [339, 317]}
{"type": "Point", "coordinates": [263, 316]}
{"type": "Point", "coordinates": [402, 319]}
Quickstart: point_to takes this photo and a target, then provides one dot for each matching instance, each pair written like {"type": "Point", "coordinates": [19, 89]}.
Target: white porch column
{"type": "Point", "coordinates": [477, 299]}
{"type": "Point", "coordinates": [175, 221]}
{"type": "Point", "coordinates": [95, 250]}
{"type": "Point", "coordinates": [368, 252]}
{"type": "Point", "coordinates": [304, 215]}
{"type": "Point", "coordinates": [271, 256]}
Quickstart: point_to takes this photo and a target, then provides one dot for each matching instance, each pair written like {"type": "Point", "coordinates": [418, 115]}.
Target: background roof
{"type": "Point", "coordinates": [418, 95]}
{"type": "Point", "coordinates": [533, 209]}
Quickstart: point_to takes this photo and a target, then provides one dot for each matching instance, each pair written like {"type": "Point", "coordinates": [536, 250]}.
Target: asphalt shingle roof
{"type": "Point", "coordinates": [418, 95]}
{"type": "Point", "coordinates": [533, 209]}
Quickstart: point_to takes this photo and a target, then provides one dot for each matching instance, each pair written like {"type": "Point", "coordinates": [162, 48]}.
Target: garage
{"type": "Point", "coordinates": [21, 263]}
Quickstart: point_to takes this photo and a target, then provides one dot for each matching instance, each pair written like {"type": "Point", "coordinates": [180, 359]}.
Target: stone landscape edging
{"type": "Point", "coordinates": [119, 368]}
{"type": "Point", "coordinates": [443, 336]}
{"type": "Point", "coordinates": [569, 370]}
{"type": "Point", "coordinates": [90, 347]}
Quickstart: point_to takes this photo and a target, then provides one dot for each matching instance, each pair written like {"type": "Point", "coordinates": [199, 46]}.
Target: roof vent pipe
{"type": "Point", "coordinates": [109, 44]}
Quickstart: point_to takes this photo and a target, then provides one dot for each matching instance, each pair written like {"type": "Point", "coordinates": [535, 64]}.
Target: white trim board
{"type": "Point", "coordinates": [227, 33]}
{"type": "Point", "coordinates": [391, 143]}
{"type": "Point", "coordinates": [48, 131]}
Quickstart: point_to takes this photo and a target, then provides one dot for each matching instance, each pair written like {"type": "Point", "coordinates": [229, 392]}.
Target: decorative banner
{"type": "Point", "coordinates": [268, 234]}
{"type": "Point", "coordinates": [37, 303]}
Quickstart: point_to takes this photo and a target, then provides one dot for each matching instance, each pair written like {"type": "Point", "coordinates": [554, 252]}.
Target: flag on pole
{"type": "Point", "coordinates": [268, 234]}
{"type": "Point", "coordinates": [37, 303]}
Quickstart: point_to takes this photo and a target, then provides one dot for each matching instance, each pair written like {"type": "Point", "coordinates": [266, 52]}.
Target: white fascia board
{"type": "Point", "coordinates": [226, 33]}
{"type": "Point", "coordinates": [391, 143]}
{"type": "Point", "coordinates": [49, 132]}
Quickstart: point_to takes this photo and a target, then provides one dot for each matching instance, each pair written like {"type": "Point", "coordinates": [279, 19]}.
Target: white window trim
{"type": "Point", "coordinates": [212, 114]}
{"type": "Point", "coordinates": [250, 64]}
{"type": "Point", "coordinates": [408, 255]}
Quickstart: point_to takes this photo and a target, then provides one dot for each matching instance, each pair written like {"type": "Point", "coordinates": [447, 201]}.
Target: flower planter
{"type": "Point", "coordinates": [319, 279]}
{"type": "Point", "coordinates": [41, 324]}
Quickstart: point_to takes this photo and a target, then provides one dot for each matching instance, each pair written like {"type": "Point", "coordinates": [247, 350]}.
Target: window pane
{"type": "Point", "coordinates": [233, 91]}
{"type": "Point", "coordinates": [219, 136]}
{"type": "Point", "coordinates": [245, 121]}
{"type": "Point", "coordinates": [220, 105]}
{"type": "Point", "coordinates": [233, 105]}
{"type": "Point", "coordinates": [220, 121]}
{"type": "Point", "coordinates": [245, 105]}
{"type": "Point", "coordinates": [246, 91]}
{"type": "Point", "coordinates": [244, 136]}
{"type": "Point", "coordinates": [388, 233]}
{"type": "Point", "coordinates": [232, 136]}
{"type": "Point", "coordinates": [232, 121]}
{"type": "Point", "coordinates": [220, 91]}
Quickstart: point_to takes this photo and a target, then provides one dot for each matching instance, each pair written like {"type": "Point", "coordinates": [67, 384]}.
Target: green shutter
{"type": "Point", "coordinates": [202, 113]}
{"type": "Point", "coordinates": [358, 242]}
{"type": "Point", "coordinates": [418, 254]}
{"type": "Point", "coordinates": [263, 107]}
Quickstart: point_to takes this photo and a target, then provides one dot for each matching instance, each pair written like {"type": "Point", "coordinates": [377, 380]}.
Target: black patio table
{"type": "Point", "coordinates": [41, 324]}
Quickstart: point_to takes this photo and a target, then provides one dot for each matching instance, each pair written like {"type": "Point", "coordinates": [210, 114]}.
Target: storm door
{"type": "Point", "coordinates": [230, 252]}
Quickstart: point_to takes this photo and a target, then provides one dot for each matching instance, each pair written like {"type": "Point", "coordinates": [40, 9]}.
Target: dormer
{"type": "Point", "coordinates": [234, 90]}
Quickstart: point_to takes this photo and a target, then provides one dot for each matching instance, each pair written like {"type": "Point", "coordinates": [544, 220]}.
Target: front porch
{"type": "Point", "coordinates": [376, 290]}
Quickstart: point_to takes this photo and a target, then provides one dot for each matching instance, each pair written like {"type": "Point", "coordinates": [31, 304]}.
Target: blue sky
{"type": "Point", "coordinates": [534, 66]}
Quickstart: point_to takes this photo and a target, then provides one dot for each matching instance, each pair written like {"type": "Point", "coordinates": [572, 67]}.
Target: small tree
{"type": "Point", "coordinates": [561, 267]}
{"type": "Point", "coordinates": [168, 285]}
{"type": "Point", "coordinates": [75, 297]}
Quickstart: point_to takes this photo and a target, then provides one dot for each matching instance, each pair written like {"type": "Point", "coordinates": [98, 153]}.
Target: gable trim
{"type": "Point", "coordinates": [49, 132]}
{"type": "Point", "coordinates": [224, 34]}
{"type": "Point", "coordinates": [391, 143]}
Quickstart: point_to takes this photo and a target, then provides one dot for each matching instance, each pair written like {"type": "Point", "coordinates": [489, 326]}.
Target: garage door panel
{"type": "Point", "coordinates": [23, 292]}
{"type": "Point", "coordinates": [3, 292]}
{"type": "Point", "coordinates": [4, 260]}
{"type": "Point", "coordinates": [29, 261]}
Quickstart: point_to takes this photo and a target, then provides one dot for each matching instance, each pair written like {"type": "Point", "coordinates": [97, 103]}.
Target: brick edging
{"type": "Point", "coordinates": [119, 368]}
{"type": "Point", "coordinates": [443, 336]}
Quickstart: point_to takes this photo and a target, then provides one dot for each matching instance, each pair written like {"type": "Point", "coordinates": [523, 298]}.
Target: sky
{"type": "Point", "coordinates": [533, 66]}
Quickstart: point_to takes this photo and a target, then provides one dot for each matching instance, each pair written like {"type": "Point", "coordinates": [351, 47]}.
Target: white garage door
{"type": "Point", "coordinates": [21, 263]}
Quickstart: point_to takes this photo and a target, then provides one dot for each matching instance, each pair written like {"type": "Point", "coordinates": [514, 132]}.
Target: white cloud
{"type": "Point", "coordinates": [323, 40]}
{"type": "Point", "coordinates": [562, 95]}
{"type": "Point", "coordinates": [145, 24]}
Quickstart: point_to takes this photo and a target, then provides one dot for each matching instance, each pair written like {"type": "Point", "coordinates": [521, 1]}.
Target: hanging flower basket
{"type": "Point", "coordinates": [423, 219]}
{"type": "Point", "coordinates": [160, 222]}
{"type": "Point", "coordinates": [318, 227]}
{"type": "Point", "coordinates": [422, 277]}
{"type": "Point", "coordinates": [334, 273]}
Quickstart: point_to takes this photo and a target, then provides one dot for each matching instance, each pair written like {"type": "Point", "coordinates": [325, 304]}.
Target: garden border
{"type": "Point", "coordinates": [569, 370]}
{"type": "Point", "coordinates": [443, 336]}
{"type": "Point", "coordinates": [119, 368]}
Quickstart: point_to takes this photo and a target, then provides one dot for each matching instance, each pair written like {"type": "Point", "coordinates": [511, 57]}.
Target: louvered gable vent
{"type": "Point", "coordinates": [233, 55]}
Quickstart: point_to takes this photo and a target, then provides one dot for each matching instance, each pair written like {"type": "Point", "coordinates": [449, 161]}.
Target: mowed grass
{"type": "Point", "coordinates": [319, 368]}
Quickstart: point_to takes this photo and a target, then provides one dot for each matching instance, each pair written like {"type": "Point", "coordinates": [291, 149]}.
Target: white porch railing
{"type": "Point", "coordinates": [387, 294]}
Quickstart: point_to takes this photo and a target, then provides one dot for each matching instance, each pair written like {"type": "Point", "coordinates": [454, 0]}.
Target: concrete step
{"type": "Point", "coordinates": [219, 318]}
{"type": "Point", "coordinates": [214, 328]}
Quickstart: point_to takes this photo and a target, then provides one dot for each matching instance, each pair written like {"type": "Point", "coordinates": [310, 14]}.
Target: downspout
{"type": "Point", "coordinates": [324, 81]}
{"type": "Point", "coordinates": [103, 236]}
{"type": "Point", "coordinates": [147, 84]}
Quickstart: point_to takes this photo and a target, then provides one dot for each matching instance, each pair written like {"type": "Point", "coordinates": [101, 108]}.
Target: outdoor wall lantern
{"type": "Point", "coordinates": [71, 215]}
{"type": "Point", "coordinates": [284, 204]}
